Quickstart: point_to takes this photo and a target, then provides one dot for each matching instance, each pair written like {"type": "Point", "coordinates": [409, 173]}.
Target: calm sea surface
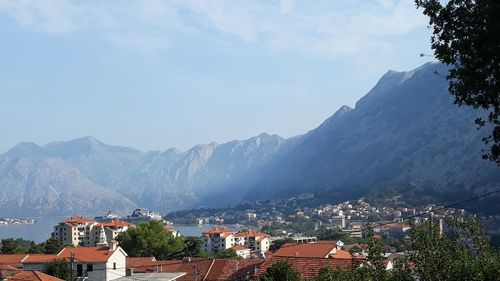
{"type": "Point", "coordinates": [41, 230]}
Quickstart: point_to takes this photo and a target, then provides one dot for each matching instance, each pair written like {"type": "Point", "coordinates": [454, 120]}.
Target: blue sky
{"type": "Point", "coordinates": [158, 74]}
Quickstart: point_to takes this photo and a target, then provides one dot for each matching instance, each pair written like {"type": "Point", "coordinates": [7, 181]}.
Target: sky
{"type": "Point", "coordinates": [157, 74]}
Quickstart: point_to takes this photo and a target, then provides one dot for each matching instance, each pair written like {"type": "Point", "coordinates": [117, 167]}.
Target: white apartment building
{"type": "Point", "coordinates": [74, 231]}
{"type": "Point", "coordinates": [82, 231]}
{"type": "Point", "coordinates": [219, 239]}
{"type": "Point", "coordinates": [257, 242]}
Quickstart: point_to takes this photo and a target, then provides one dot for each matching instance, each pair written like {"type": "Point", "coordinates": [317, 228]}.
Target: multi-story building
{"type": "Point", "coordinates": [257, 242]}
{"type": "Point", "coordinates": [74, 231]}
{"type": "Point", "coordinates": [82, 231]}
{"type": "Point", "coordinates": [218, 239]}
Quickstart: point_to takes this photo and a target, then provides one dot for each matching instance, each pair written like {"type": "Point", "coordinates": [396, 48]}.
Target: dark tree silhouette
{"type": "Point", "coordinates": [466, 36]}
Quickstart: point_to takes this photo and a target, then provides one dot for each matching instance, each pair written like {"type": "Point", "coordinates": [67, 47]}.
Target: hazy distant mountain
{"type": "Point", "coordinates": [46, 186]}
{"type": "Point", "coordinates": [405, 131]}
{"type": "Point", "coordinates": [208, 175]}
{"type": "Point", "coordinates": [87, 176]}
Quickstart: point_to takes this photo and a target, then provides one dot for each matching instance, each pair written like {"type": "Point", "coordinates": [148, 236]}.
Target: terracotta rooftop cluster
{"type": "Point", "coordinates": [199, 269]}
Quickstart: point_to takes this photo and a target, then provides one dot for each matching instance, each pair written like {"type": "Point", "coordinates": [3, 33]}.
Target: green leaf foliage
{"type": "Point", "coordinates": [150, 239]}
{"type": "Point", "coordinates": [466, 36]}
{"type": "Point", "coordinates": [281, 271]}
{"type": "Point", "coordinates": [59, 269]}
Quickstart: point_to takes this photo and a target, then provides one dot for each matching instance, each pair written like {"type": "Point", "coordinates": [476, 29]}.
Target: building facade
{"type": "Point", "coordinates": [89, 263]}
{"type": "Point", "coordinates": [219, 239]}
{"type": "Point", "coordinates": [82, 231]}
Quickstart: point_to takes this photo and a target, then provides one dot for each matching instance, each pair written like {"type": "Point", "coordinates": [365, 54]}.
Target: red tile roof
{"type": "Point", "coordinates": [217, 230]}
{"type": "Point", "coordinates": [260, 238]}
{"type": "Point", "coordinates": [169, 229]}
{"type": "Point", "coordinates": [204, 269]}
{"type": "Point", "coordinates": [33, 276]}
{"type": "Point", "coordinates": [250, 234]}
{"type": "Point", "coordinates": [230, 269]}
{"type": "Point", "coordinates": [79, 219]}
{"type": "Point", "coordinates": [313, 250]}
{"type": "Point", "coordinates": [7, 271]}
{"type": "Point", "coordinates": [114, 224]}
{"type": "Point", "coordinates": [40, 258]}
{"type": "Point", "coordinates": [307, 267]}
{"type": "Point", "coordinates": [239, 248]}
{"type": "Point", "coordinates": [13, 260]}
{"type": "Point", "coordinates": [87, 254]}
{"type": "Point", "coordinates": [195, 270]}
{"type": "Point", "coordinates": [140, 262]}
{"type": "Point", "coordinates": [341, 254]}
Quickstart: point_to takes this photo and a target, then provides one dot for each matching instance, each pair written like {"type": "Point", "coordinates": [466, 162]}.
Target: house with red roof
{"type": "Point", "coordinates": [242, 251]}
{"type": "Point", "coordinates": [328, 249]}
{"type": "Point", "coordinates": [218, 239]}
{"type": "Point", "coordinates": [90, 263]}
{"type": "Point", "coordinates": [256, 241]}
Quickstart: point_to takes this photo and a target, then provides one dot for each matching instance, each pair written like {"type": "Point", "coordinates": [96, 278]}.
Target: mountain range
{"type": "Point", "coordinates": [405, 132]}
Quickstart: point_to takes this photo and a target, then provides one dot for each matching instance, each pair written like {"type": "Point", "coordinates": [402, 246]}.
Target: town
{"type": "Point", "coordinates": [292, 230]}
{"type": "Point", "coordinates": [7, 221]}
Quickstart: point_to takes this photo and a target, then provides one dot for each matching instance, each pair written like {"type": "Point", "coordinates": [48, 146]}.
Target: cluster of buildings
{"type": "Point", "coordinates": [7, 221]}
{"type": "Point", "coordinates": [108, 261]}
{"type": "Point", "coordinates": [284, 215]}
{"type": "Point", "coordinates": [244, 243]}
{"type": "Point", "coordinates": [83, 231]}
{"type": "Point", "coordinates": [99, 263]}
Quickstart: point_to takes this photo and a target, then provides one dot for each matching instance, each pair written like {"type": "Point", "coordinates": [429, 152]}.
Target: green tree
{"type": "Point", "coordinates": [279, 243]}
{"type": "Point", "coordinates": [466, 36]}
{"type": "Point", "coordinates": [35, 248]}
{"type": "Point", "coordinates": [150, 239]}
{"type": "Point", "coordinates": [226, 254]}
{"type": "Point", "coordinates": [52, 246]}
{"type": "Point", "coordinates": [9, 246]}
{"type": "Point", "coordinates": [333, 234]}
{"type": "Point", "coordinates": [59, 269]}
{"type": "Point", "coordinates": [192, 247]}
{"type": "Point", "coordinates": [462, 254]}
{"type": "Point", "coordinates": [281, 271]}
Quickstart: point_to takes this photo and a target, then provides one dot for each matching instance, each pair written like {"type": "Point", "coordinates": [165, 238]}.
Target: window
{"type": "Point", "coordinates": [90, 267]}
{"type": "Point", "coordinates": [114, 265]}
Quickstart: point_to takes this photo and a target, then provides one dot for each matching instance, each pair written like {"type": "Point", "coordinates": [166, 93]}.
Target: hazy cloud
{"type": "Point", "coordinates": [328, 28]}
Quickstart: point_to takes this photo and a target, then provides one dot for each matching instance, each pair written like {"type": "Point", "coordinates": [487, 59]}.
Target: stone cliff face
{"type": "Point", "coordinates": [406, 130]}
